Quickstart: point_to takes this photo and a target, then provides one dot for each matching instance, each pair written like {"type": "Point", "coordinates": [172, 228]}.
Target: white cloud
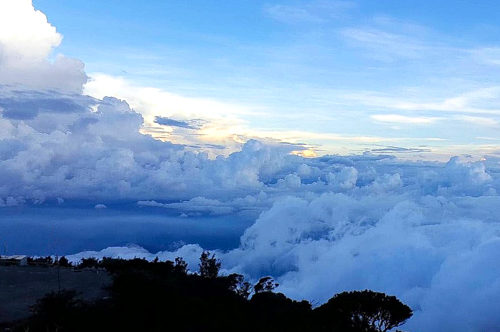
{"type": "Point", "coordinates": [475, 101]}
{"type": "Point", "coordinates": [204, 206]}
{"type": "Point", "coordinates": [425, 232]}
{"type": "Point", "coordinates": [26, 41]}
{"type": "Point", "coordinates": [487, 55]}
{"type": "Point", "coordinates": [25, 34]}
{"type": "Point", "coordinates": [396, 118]}
{"type": "Point", "coordinates": [62, 146]}
{"type": "Point", "coordinates": [385, 45]}
{"type": "Point", "coordinates": [477, 120]}
{"type": "Point", "coordinates": [290, 14]}
{"type": "Point", "coordinates": [311, 12]}
{"type": "Point", "coordinates": [221, 124]}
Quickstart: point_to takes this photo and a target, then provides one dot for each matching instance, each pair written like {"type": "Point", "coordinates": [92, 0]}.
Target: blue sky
{"type": "Point", "coordinates": [340, 76]}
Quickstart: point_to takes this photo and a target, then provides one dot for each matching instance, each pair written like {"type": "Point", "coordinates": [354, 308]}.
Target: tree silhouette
{"type": "Point", "coordinates": [265, 284]}
{"type": "Point", "coordinates": [209, 266]}
{"type": "Point", "coordinates": [364, 311]}
{"type": "Point", "coordinates": [238, 285]}
{"type": "Point", "coordinates": [180, 265]}
{"type": "Point", "coordinates": [63, 261]}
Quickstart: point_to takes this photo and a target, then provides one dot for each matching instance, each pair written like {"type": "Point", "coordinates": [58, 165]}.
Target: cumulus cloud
{"type": "Point", "coordinates": [167, 115]}
{"type": "Point", "coordinates": [426, 232]}
{"type": "Point", "coordinates": [26, 41]}
{"type": "Point", "coordinates": [55, 145]}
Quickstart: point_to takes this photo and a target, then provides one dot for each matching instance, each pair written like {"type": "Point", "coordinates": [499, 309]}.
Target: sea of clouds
{"type": "Point", "coordinates": [426, 232]}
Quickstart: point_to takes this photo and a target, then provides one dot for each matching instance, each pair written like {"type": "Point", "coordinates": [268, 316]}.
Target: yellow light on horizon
{"type": "Point", "coordinates": [305, 153]}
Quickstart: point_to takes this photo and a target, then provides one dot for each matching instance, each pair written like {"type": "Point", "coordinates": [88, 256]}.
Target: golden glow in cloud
{"type": "Point", "coordinates": [223, 127]}
{"type": "Point", "coordinates": [222, 123]}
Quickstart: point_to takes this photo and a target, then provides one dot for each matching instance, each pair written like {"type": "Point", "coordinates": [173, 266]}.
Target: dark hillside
{"type": "Point", "coordinates": [21, 286]}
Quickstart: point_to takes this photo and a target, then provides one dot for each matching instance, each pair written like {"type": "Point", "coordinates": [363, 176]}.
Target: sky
{"type": "Point", "coordinates": [339, 76]}
{"type": "Point", "coordinates": [331, 145]}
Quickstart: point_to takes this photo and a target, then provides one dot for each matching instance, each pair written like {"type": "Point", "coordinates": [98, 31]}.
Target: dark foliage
{"type": "Point", "coordinates": [276, 312]}
{"type": "Point", "coordinates": [363, 311]}
{"type": "Point", "coordinates": [40, 261]}
{"type": "Point", "coordinates": [180, 265]}
{"type": "Point", "coordinates": [238, 285]}
{"type": "Point", "coordinates": [163, 296]}
{"type": "Point", "coordinates": [88, 263]}
{"type": "Point", "coordinates": [265, 284]}
{"type": "Point", "coordinates": [63, 261]}
{"type": "Point", "coordinates": [209, 266]}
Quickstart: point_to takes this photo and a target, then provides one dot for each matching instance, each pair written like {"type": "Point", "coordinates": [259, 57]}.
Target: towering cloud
{"type": "Point", "coordinates": [26, 41]}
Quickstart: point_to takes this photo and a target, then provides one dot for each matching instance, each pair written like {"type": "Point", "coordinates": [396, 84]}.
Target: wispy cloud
{"type": "Point", "coordinates": [486, 55]}
{"type": "Point", "coordinates": [187, 124]}
{"type": "Point", "coordinates": [291, 14]}
{"type": "Point", "coordinates": [311, 12]}
{"type": "Point", "coordinates": [403, 119]}
{"type": "Point", "coordinates": [476, 101]}
{"type": "Point", "coordinates": [477, 120]}
{"type": "Point", "coordinates": [385, 45]}
{"type": "Point", "coordinates": [398, 149]}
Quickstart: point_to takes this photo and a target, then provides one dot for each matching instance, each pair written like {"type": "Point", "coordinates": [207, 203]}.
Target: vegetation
{"type": "Point", "coordinates": [163, 296]}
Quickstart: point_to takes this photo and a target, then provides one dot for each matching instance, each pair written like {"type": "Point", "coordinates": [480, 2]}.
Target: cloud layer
{"type": "Point", "coordinates": [426, 232]}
